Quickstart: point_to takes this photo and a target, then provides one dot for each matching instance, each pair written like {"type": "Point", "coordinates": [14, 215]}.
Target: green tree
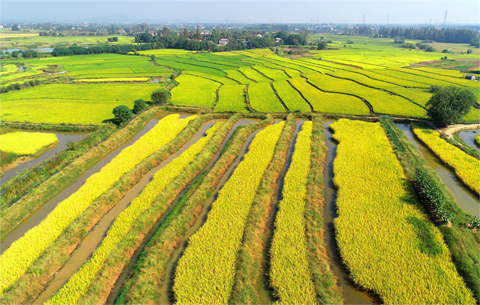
{"type": "Point", "coordinates": [160, 96]}
{"type": "Point", "coordinates": [185, 33]}
{"type": "Point", "coordinates": [449, 104]}
{"type": "Point", "coordinates": [15, 28]}
{"type": "Point", "coordinates": [197, 33]}
{"type": "Point", "coordinates": [322, 45]}
{"type": "Point", "coordinates": [122, 114]}
{"type": "Point", "coordinates": [139, 105]}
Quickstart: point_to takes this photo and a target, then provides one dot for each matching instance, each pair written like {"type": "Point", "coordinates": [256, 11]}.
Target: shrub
{"type": "Point", "coordinates": [160, 96]}
{"type": "Point", "coordinates": [122, 114]}
{"type": "Point", "coordinates": [139, 105]}
{"type": "Point", "coordinates": [449, 104]}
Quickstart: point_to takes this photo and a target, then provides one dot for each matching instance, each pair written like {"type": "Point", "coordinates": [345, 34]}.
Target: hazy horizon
{"type": "Point", "coordinates": [266, 11]}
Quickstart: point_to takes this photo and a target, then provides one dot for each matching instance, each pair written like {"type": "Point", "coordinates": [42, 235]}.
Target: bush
{"type": "Point", "coordinates": [139, 105]}
{"type": "Point", "coordinates": [122, 114]}
{"type": "Point", "coordinates": [160, 96]}
{"type": "Point", "coordinates": [449, 104]}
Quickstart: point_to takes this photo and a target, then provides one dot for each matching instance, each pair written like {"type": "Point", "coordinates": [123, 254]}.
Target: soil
{"type": "Point", "coordinates": [451, 129]}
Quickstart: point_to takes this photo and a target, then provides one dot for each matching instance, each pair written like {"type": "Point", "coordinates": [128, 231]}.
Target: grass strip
{"type": "Point", "coordinates": [29, 286]}
{"type": "Point", "coordinates": [462, 242]}
{"type": "Point", "coordinates": [466, 167]}
{"type": "Point", "coordinates": [289, 270]}
{"type": "Point", "coordinates": [391, 232]}
{"type": "Point", "coordinates": [22, 253]}
{"type": "Point", "coordinates": [81, 280]}
{"type": "Point", "coordinates": [324, 281]}
{"type": "Point", "coordinates": [143, 286]}
{"type": "Point", "coordinates": [249, 259]}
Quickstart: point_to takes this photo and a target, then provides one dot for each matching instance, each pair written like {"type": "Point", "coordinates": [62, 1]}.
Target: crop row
{"type": "Point", "coordinates": [275, 74]}
{"type": "Point", "coordinates": [150, 269]}
{"type": "Point", "coordinates": [194, 91]}
{"type": "Point", "coordinates": [23, 252]}
{"type": "Point", "coordinates": [381, 230]}
{"type": "Point", "coordinates": [26, 143]}
{"type": "Point", "coordinates": [252, 74]}
{"type": "Point", "coordinates": [329, 102]}
{"type": "Point", "coordinates": [289, 271]}
{"type": "Point", "coordinates": [466, 167]}
{"type": "Point", "coordinates": [206, 271]}
{"type": "Point", "coordinates": [231, 98]}
{"type": "Point", "coordinates": [76, 286]}
{"type": "Point", "coordinates": [381, 101]}
{"type": "Point", "coordinates": [112, 79]}
{"type": "Point", "coordinates": [222, 80]}
{"type": "Point", "coordinates": [292, 99]}
{"type": "Point", "coordinates": [263, 98]}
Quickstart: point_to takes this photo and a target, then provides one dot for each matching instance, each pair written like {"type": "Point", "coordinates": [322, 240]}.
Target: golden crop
{"type": "Point", "coordinates": [15, 261]}
{"type": "Point", "coordinates": [206, 271]}
{"type": "Point", "coordinates": [76, 286]}
{"type": "Point", "coordinates": [26, 143]}
{"type": "Point", "coordinates": [387, 243]}
{"type": "Point", "coordinates": [466, 167]}
{"type": "Point", "coordinates": [289, 272]}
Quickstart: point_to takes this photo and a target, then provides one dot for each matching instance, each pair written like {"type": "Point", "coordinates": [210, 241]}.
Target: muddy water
{"type": "Point", "coordinates": [468, 136]}
{"type": "Point", "coordinates": [63, 138]}
{"type": "Point", "coordinates": [351, 294]}
{"type": "Point", "coordinates": [128, 271]}
{"type": "Point", "coordinates": [93, 240]}
{"type": "Point", "coordinates": [36, 217]}
{"type": "Point", "coordinates": [466, 199]}
{"type": "Point", "coordinates": [166, 293]}
{"type": "Point", "coordinates": [264, 291]}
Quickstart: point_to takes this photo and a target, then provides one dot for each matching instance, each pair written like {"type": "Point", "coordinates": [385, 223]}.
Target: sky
{"type": "Point", "coordinates": [242, 11]}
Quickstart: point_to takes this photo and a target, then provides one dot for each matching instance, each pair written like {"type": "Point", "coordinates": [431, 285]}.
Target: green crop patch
{"type": "Point", "coordinates": [276, 75]}
{"type": "Point", "coordinates": [262, 98]}
{"type": "Point", "coordinates": [329, 102]}
{"type": "Point", "coordinates": [231, 98]}
{"type": "Point", "coordinates": [222, 80]}
{"type": "Point", "coordinates": [164, 61]}
{"type": "Point", "coordinates": [239, 77]}
{"type": "Point", "coordinates": [290, 97]}
{"type": "Point", "coordinates": [252, 74]}
{"type": "Point", "coordinates": [381, 101]}
{"type": "Point", "coordinates": [194, 91]}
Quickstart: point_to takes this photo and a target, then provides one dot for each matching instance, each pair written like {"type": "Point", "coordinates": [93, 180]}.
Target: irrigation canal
{"type": "Point", "coordinates": [468, 136]}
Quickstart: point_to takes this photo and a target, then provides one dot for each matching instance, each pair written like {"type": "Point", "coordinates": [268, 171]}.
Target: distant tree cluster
{"type": "Point", "coordinates": [119, 49]}
{"type": "Point", "coordinates": [443, 35]}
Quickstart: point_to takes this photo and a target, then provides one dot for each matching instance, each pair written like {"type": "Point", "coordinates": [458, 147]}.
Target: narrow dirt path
{"type": "Point", "coordinates": [451, 129]}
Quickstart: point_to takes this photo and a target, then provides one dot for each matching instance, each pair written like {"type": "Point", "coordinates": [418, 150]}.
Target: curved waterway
{"type": "Point", "coordinates": [468, 136]}
{"type": "Point", "coordinates": [93, 240]}
{"type": "Point", "coordinates": [466, 199]}
{"type": "Point", "coordinates": [18, 166]}
{"type": "Point", "coordinates": [350, 292]}
{"type": "Point", "coordinates": [128, 271]}
{"type": "Point", "coordinates": [42, 212]}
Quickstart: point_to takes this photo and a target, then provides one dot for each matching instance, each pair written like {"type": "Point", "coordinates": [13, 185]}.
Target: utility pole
{"type": "Point", "coordinates": [363, 18]}
{"type": "Point", "coordinates": [445, 20]}
{"type": "Point", "coordinates": [388, 17]}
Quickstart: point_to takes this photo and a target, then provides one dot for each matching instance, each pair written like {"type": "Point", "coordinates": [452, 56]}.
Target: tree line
{"type": "Point", "coordinates": [438, 35]}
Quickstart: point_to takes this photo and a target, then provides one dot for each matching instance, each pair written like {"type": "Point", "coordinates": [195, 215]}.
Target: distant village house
{"type": "Point", "coordinates": [222, 42]}
{"type": "Point", "coordinates": [470, 76]}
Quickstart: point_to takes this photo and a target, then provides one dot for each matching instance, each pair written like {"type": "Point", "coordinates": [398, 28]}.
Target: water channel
{"type": "Point", "coordinates": [468, 136]}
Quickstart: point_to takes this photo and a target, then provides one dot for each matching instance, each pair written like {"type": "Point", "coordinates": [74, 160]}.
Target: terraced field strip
{"type": "Point", "coordinates": [289, 64]}
{"type": "Point", "coordinates": [223, 80]}
{"type": "Point", "coordinates": [26, 143]}
{"type": "Point", "coordinates": [215, 244]}
{"type": "Point", "coordinates": [289, 270]}
{"type": "Point", "coordinates": [231, 98]}
{"type": "Point", "coordinates": [252, 74]}
{"type": "Point", "coordinates": [381, 101]}
{"type": "Point", "coordinates": [239, 77]}
{"type": "Point", "coordinates": [167, 61]}
{"type": "Point", "coordinates": [7, 69]}
{"type": "Point", "coordinates": [248, 54]}
{"type": "Point", "coordinates": [143, 286]}
{"type": "Point", "coordinates": [263, 98]}
{"type": "Point", "coordinates": [274, 74]}
{"type": "Point", "coordinates": [231, 58]}
{"type": "Point", "coordinates": [445, 72]}
{"type": "Point", "coordinates": [194, 91]}
{"type": "Point", "coordinates": [219, 60]}
{"type": "Point", "coordinates": [112, 79]}
{"type": "Point", "coordinates": [21, 254]}
{"type": "Point", "coordinates": [290, 72]}
{"type": "Point", "coordinates": [447, 79]}
{"type": "Point", "coordinates": [391, 232]}
{"type": "Point", "coordinates": [356, 63]}
{"type": "Point", "coordinates": [290, 96]}
{"type": "Point", "coordinates": [416, 96]}
{"type": "Point", "coordinates": [329, 102]}
{"type": "Point", "coordinates": [312, 67]}
{"type": "Point", "coordinates": [190, 61]}
{"type": "Point", "coordinates": [400, 74]}
{"type": "Point", "coordinates": [466, 167]}
{"type": "Point", "coordinates": [77, 285]}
